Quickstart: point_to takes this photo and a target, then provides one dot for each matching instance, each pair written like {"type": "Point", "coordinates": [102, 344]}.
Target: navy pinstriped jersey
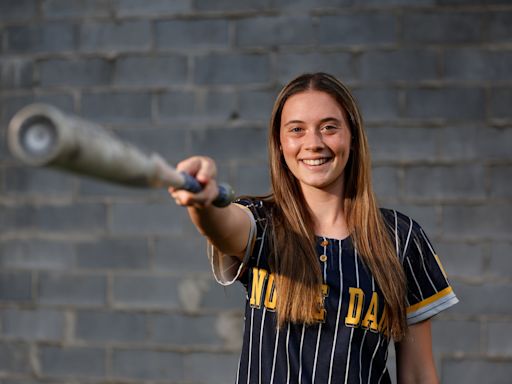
{"type": "Point", "coordinates": [347, 345]}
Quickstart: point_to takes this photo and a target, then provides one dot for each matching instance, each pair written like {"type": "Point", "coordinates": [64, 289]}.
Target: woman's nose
{"type": "Point", "coordinates": [313, 140]}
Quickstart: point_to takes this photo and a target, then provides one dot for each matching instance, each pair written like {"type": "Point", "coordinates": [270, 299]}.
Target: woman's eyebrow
{"type": "Point", "coordinates": [324, 120]}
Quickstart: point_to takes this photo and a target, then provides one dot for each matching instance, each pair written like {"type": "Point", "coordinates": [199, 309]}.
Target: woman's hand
{"type": "Point", "coordinates": [205, 171]}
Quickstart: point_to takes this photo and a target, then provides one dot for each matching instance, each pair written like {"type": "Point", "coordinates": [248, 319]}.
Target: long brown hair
{"type": "Point", "coordinates": [294, 260]}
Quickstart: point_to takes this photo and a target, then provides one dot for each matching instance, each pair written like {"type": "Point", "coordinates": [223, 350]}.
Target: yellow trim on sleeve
{"type": "Point", "coordinates": [431, 299]}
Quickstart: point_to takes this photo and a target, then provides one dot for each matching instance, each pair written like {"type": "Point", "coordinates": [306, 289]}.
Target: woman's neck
{"type": "Point", "coordinates": [327, 212]}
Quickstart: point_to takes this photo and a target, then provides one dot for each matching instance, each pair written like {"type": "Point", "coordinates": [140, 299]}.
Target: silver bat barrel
{"type": "Point", "coordinates": [41, 135]}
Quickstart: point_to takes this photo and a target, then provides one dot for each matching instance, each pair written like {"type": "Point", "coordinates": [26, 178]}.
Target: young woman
{"type": "Point", "coordinates": [330, 277]}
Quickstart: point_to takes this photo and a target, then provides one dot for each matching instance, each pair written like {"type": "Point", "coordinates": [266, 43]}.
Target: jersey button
{"type": "Point", "coordinates": [323, 258]}
{"type": "Point", "coordinates": [324, 243]}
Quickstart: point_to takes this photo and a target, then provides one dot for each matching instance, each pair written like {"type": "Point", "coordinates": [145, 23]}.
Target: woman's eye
{"type": "Point", "coordinates": [295, 129]}
{"type": "Point", "coordinates": [330, 128]}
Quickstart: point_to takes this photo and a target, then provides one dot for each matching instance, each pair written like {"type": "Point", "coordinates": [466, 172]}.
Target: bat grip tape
{"type": "Point", "coordinates": [224, 197]}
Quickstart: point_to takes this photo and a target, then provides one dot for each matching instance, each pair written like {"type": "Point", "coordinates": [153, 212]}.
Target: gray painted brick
{"type": "Point", "coordinates": [118, 37]}
{"type": "Point", "coordinates": [482, 299]}
{"type": "Point", "coordinates": [147, 365]}
{"type": "Point", "coordinates": [186, 330]}
{"type": "Point", "coordinates": [357, 28]}
{"type": "Point", "coordinates": [472, 2]}
{"type": "Point", "coordinates": [450, 336]}
{"type": "Point", "coordinates": [96, 188]}
{"type": "Point", "coordinates": [37, 181]}
{"type": "Point", "coordinates": [191, 34]}
{"type": "Point", "coordinates": [16, 286]}
{"type": "Point", "coordinates": [14, 357]}
{"type": "Point", "coordinates": [71, 218]}
{"type": "Point", "coordinates": [500, 101]}
{"type": "Point", "coordinates": [37, 255]}
{"type": "Point", "coordinates": [501, 181]}
{"type": "Point", "coordinates": [151, 71]}
{"type": "Point", "coordinates": [181, 254]}
{"type": "Point", "coordinates": [499, 343]}
{"type": "Point", "coordinates": [231, 5]}
{"type": "Point", "coordinates": [444, 182]}
{"type": "Point", "coordinates": [83, 8]}
{"type": "Point", "coordinates": [17, 218]}
{"type": "Point", "coordinates": [386, 182]}
{"type": "Point", "coordinates": [252, 179]}
{"type": "Point", "coordinates": [487, 220]}
{"type": "Point", "coordinates": [110, 326]}
{"type": "Point", "coordinates": [450, 27]}
{"type": "Point", "coordinates": [291, 65]}
{"type": "Point", "coordinates": [228, 144]}
{"type": "Point", "coordinates": [84, 72]}
{"type": "Point", "coordinates": [377, 103]}
{"type": "Point", "coordinates": [232, 68]}
{"type": "Point", "coordinates": [217, 368]}
{"type": "Point", "coordinates": [402, 144]}
{"type": "Point", "coordinates": [113, 254]}
{"type": "Point", "coordinates": [256, 104]}
{"type": "Point", "coordinates": [499, 26]}
{"type": "Point", "coordinates": [146, 292]}
{"type": "Point", "coordinates": [68, 289]}
{"type": "Point", "coordinates": [476, 371]}
{"type": "Point", "coordinates": [447, 103]}
{"type": "Point", "coordinates": [500, 264]}
{"type": "Point", "coordinates": [494, 143]}
{"type": "Point", "coordinates": [274, 31]}
{"type": "Point", "coordinates": [218, 297]}
{"type": "Point", "coordinates": [117, 107]}
{"type": "Point", "coordinates": [177, 105]}
{"type": "Point", "coordinates": [72, 361]}
{"type": "Point", "coordinates": [151, 8]}
{"type": "Point", "coordinates": [12, 104]}
{"type": "Point", "coordinates": [425, 215]}
{"type": "Point", "coordinates": [48, 37]}
{"type": "Point", "coordinates": [310, 4]}
{"type": "Point", "coordinates": [37, 324]}
{"type": "Point", "coordinates": [171, 144]}
{"type": "Point", "coordinates": [399, 65]}
{"type": "Point", "coordinates": [17, 9]}
{"type": "Point", "coordinates": [16, 73]}
{"type": "Point", "coordinates": [477, 64]}
{"type": "Point", "coordinates": [461, 259]}
{"type": "Point", "coordinates": [147, 219]}
{"type": "Point", "coordinates": [459, 142]}
{"type": "Point", "coordinates": [408, 3]}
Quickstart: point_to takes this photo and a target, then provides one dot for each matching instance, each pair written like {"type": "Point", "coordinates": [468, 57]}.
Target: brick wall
{"type": "Point", "coordinates": [102, 284]}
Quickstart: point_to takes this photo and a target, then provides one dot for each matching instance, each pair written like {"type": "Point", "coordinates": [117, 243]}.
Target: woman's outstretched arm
{"type": "Point", "coordinates": [226, 228]}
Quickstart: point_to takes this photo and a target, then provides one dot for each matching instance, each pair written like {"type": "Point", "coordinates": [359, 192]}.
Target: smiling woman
{"type": "Point", "coordinates": [331, 278]}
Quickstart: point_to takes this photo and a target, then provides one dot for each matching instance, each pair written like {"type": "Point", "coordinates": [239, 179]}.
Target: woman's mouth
{"type": "Point", "coordinates": [314, 162]}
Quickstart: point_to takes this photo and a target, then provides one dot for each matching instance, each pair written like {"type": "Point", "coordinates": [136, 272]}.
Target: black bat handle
{"type": "Point", "coordinates": [224, 197]}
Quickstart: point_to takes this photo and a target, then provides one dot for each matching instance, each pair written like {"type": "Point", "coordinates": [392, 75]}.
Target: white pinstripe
{"type": "Point", "coordinates": [340, 252]}
{"type": "Point", "coordinates": [274, 360]}
{"type": "Point", "coordinates": [300, 352]}
{"type": "Point", "coordinates": [407, 241]}
{"type": "Point", "coordinates": [414, 277]}
{"type": "Point", "coordinates": [352, 330]}
{"type": "Point", "coordinates": [424, 266]}
{"type": "Point", "coordinates": [288, 354]}
{"type": "Point", "coordinates": [320, 325]}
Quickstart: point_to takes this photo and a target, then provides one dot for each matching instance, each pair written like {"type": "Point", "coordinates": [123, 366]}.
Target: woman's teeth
{"type": "Point", "coordinates": [315, 161]}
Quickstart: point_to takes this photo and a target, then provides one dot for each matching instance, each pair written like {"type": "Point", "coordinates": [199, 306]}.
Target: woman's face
{"type": "Point", "coordinates": [315, 140]}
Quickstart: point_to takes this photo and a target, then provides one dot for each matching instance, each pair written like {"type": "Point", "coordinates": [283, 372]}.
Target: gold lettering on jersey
{"type": "Point", "coordinates": [258, 282]}
{"type": "Point", "coordinates": [270, 295]}
{"type": "Point", "coordinates": [370, 319]}
{"type": "Point", "coordinates": [321, 314]}
{"type": "Point", "coordinates": [355, 307]}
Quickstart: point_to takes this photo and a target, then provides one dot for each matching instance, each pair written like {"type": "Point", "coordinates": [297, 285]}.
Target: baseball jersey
{"type": "Point", "coordinates": [348, 344]}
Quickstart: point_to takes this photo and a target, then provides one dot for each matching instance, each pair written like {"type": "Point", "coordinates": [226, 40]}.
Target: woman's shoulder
{"type": "Point", "coordinates": [400, 223]}
{"type": "Point", "coordinates": [260, 206]}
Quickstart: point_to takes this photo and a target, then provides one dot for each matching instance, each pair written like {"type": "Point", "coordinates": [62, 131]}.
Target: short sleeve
{"type": "Point", "coordinates": [428, 289]}
{"type": "Point", "coordinates": [227, 268]}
